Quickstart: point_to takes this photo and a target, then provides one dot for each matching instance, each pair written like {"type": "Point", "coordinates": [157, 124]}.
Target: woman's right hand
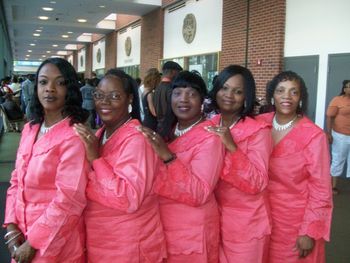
{"type": "Point", "coordinates": [89, 139]}
{"type": "Point", "coordinates": [225, 135]}
{"type": "Point", "coordinates": [16, 236]}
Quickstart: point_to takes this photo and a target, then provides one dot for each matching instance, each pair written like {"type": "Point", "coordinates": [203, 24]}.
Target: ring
{"type": "Point", "coordinates": [153, 138]}
{"type": "Point", "coordinates": [217, 129]}
{"type": "Point", "coordinates": [88, 136]}
{"type": "Point", "coordinates": [14, 247]}
{"type": "Point", "coordinates": [154, 133]}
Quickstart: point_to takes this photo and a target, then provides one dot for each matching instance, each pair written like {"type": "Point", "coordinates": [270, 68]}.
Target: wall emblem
{"type": "Point", "coordinates": [189, 28]}
{"type": "Point", "coordinates": [128, 46]}
{"type": "Point", "coordinates": [98, 55]}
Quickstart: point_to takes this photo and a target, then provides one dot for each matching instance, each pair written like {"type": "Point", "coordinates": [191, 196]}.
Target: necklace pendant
{"type": "Point", "coordinates": [282, 127]}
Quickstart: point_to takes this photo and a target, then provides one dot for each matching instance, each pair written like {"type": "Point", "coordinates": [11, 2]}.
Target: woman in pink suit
{"type": "Point", "coordinates": [122, 216]}
{"type": "Point", "coordinates": [192, 162]}
{"type": "Point", "coordinates": [245, 226]}
{"type": "Point", "coordinates": [47, 193]}
{"type": "Point", "coordinates": [299, 189]}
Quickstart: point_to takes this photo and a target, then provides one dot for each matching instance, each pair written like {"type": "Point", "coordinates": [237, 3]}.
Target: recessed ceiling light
{"type": "Point", "coordinates": [36, 34]}
{"type": "Point", "coordinates": [43, 17]}
{"type": "Point", "coordinates": [32, 44]}
{"type": "Point", "coordinates": [48, 52]}
{"type": "Point", "coordinates": [52, 2]}
{"type": "Point", "coordinates": [28, 55]}
{"type": "Point", "coordinates": [26, 59]}
{"type": "Point", "coordinates": [44, 56]}
{"type": "Point", "coordinates": [38, 30]}
{"type": "Point", "coordinates": [47, 8]}
{"type": "Point", "coordinates": [69, 32]}
{"type": "Point", "coordinates": [102, 6]}
{"type": "Point", "coordinates": [29, 50]}
{"type": "Point", "coordinates": [81, 20]}
{"type": "Point", "coordinates": [40, 59]}
{"type": "Point", "coordinates": [54, 45]}
{"type": "Point", "coordinates": [65, 36]}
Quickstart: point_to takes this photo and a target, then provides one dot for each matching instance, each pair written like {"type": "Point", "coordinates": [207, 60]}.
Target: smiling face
{"type": "Point", "coordinates": [287, 97]}
{"type": "Point", "coordinates": [52, 89]}
{"type": "Point", "coordinates": [112, 101]}
{"type": "Point", "coordinates": [186, 104]}
{"type": "Point", "coordinates": [230, 98]}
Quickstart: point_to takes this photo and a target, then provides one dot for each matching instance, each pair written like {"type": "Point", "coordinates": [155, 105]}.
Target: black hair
{"type": "Point", "coordinates": [291, 76]}
{"type": "Point", "coordinates": [345, 82]}
{"type": "Point", "coordinates": [73, 101]}
{"type": "Point", "coordinates": [193, 80]}
{"type": "Point", "coordinates": [130, 87]}
{"type": "Point", "coordinates": [249, 87]}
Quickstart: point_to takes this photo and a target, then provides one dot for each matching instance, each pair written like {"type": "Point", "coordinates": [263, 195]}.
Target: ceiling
{"type": "Point", "coordinates": [22, 22]}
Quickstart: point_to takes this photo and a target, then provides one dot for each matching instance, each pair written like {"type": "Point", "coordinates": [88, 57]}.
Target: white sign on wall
{"type": "Point", "coordinates": [192, 28]}
{"type": "Point", "coordinates": [70, 59]}
{"type": "Point", "coordinates": [98, 55]}
{"type": "Point", "coordinates": [81, 60]}
{"type": "Point", "coordinates": [129, 46]}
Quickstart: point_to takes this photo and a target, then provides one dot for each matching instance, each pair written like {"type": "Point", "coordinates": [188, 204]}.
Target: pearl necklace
{"type": "Point", "coordinates": [279, 127]}
{"type": "Point", "coordinates": [44, 129]}
{"type": "Point", "coordinates": [179, 132]}
{"type": "Point", "coordinates": [233, 124]}
{"type": "Point", "coordinates": [105, 139]}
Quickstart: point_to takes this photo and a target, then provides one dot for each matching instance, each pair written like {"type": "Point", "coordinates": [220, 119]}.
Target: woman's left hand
{"type": "Point", "coordinates": [225, 134]}
{"type": "Point", "coordinates": [24, 253]}
{"type": "Point", "coordinates": [157, 142]}
{"type": "Point", "coordinates": [89, 139]}
{"type": "Point", "coordinates": [304, 245]}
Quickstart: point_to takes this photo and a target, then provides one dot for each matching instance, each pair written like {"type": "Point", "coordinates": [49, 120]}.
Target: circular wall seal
{"type": "Point", "coordinates": [81, 61]}
{"type": "Point", "coordinates": [127, 46]}
{"type": "Point", "coordinates": [189, 28]}
{"type": "Point", "coordinates": [98, 55]}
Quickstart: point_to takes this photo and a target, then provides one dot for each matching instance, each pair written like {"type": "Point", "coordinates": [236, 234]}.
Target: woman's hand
{"type": "Point", "coordinates": [304, 245]}
{"type": "Point", "coordinates": [225, 135]}
{"type": "Point", "coordinates": [14, 237]}
{"type": "Point", "coordinates": [24, 253]}
{"type": "Point", "coordinates": [330, 137]}
{"type": "Point", "coordinates": [157, 142]}
{"type": "Point", "coordinates": [89, 139]}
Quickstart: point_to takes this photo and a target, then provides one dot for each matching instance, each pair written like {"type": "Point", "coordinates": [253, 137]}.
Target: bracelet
{"type": "Point", "coordinates": [172, 158]}
{"type": "Point", "coordinates": [10, 233]}
{"type": "Point", "coordinates": [12, 238]}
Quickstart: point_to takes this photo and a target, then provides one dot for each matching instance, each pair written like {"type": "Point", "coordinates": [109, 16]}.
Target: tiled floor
{"type": "Point", "coordinates": [337, 251]}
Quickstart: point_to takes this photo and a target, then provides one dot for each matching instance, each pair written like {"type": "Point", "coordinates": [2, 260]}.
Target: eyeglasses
{"type": "Point", "coordinates": [110, 96]}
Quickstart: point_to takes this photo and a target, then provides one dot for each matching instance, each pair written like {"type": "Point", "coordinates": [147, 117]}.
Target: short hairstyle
{"type": "Point", "coordinates": [130, 87]}
{"type": "Point", "coordinates": [152, 78]}
{"type": "Point", "coordinates": [285, 76]}
{"type": "Point", "coordinates": [193, 80]}
{"type": "Point", "coordinates": [249, 87]}
{"type": "Point", "coordinates": [345, 82]}
{"type": "Point", "coordinates": [171, 65]}
{"type": "Point", "coordinates": [73, 101]}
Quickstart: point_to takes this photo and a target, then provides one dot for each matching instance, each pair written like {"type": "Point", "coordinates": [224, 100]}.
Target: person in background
{"type": "Point", "coordinates": [27, 94]}
{"type": "Point", "coordinates": [241, 192]}
{"type": "Point", "coordinates": [162, 98]}
{"type": "Point", "coordinates": [299, 188]}
{"type": "Point", "coordinates": [192, 163]}
{"type": "Point", "coordinates": [88, 101]}
{"type": "Point", "coordinates": [46, 198]}
{"type": "Point", "coordinates": [151, 81]}
{"type": "Point", "coordinates": [338, 132]}
{"type": "Point", "coordinates": [122, 217]}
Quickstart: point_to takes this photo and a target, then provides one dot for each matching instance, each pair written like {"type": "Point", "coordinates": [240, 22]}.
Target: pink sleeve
{"type": "Point", "coordinates": [124, 185]}
{"type": "Point", "coordinates": [10, 214]}
{"type": "Point", "coordinates": [248, 171]}
{"type": "Point", "coordinates": [52, 229]}
{"type": "Point", "coordinates": [318, 212]}
{"type": "Point", "coordinates": [193, 181]}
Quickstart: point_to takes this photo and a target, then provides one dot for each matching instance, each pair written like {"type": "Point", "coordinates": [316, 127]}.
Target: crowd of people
{"type": "Point", "coordinates": [161, 180]}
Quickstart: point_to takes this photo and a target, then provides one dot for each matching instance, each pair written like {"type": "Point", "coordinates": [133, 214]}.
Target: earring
{"type": "Point", "coordinates": [130, 108]}
{"type": "Point", "coordinates": [202, 107]}
{"type": "Point", "coordinates": [245, 104]}
{"type": "Point", "coordinates": [300, 104]}
{"type": "Point", "coordinates": [272, 101]}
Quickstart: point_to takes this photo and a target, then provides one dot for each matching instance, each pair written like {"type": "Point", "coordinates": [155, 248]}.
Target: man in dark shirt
{"type": "Point", "coordinates": [162, 98]}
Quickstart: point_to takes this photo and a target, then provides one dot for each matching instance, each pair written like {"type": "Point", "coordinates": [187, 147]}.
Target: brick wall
{"type": "Point", "coordinates": [111, 50]}
{"type": "Point", "coordinates": [266, 37]}
{"type": "Point", "coordinates": [124, 20]}
{"type": "Point", "coordinates": [152, 27]}
{"type": "Point", "coordinates": [88, 63]}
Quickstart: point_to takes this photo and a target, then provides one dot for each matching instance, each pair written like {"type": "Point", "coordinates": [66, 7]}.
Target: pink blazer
{"type": "Point", "coordinates": [47, 193]}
